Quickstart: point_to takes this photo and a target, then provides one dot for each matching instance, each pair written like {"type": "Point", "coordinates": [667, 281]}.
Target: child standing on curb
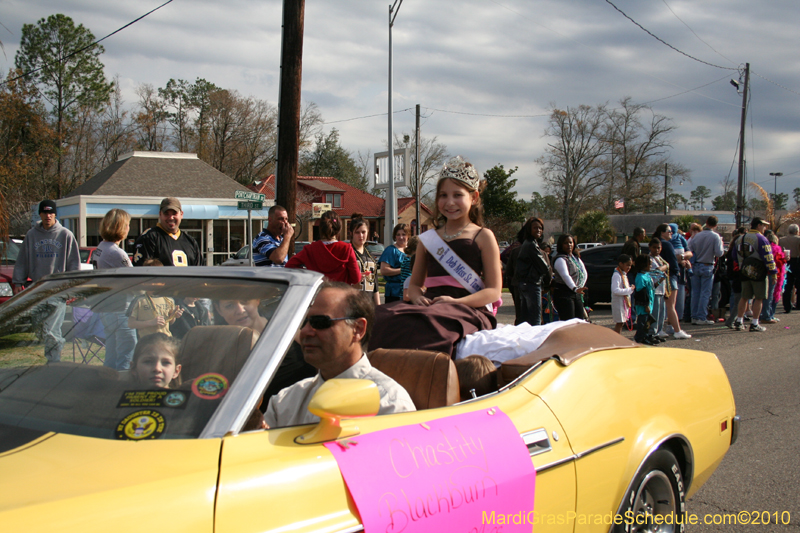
{"type": "Point", "coordinates": [621, 292]}
{"type": "Point", "coordinates": [643, 300]}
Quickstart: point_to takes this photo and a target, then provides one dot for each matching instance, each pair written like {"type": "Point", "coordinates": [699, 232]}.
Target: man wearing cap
{"type": "Point", "coordinates": [166, 242]}
{"type": "Point", "coordinates": [754, 244]}
{"type": "Point", "coordinates": [48, 248]}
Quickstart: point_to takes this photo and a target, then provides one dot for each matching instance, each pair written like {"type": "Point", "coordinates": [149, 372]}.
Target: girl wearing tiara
{"type": "Point", "coordinates": [456, 279]}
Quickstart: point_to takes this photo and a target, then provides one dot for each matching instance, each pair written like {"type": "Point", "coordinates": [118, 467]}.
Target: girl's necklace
{"type": "Point", "coordinates": [454, 235]}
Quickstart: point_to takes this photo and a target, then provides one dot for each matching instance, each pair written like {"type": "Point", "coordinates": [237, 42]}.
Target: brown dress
{"type": "Point", "coordinates": [437, 327]}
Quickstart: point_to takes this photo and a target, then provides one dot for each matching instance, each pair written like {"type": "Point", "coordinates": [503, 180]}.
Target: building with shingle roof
{"type": "Point", "coordinates": [138, 181]}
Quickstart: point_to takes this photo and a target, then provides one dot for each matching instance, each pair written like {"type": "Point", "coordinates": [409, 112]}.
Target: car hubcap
{"type": "Point", "coordinates": [655, 497]}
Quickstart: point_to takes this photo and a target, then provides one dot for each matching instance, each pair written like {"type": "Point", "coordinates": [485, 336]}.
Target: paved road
{"type": "Point", "coordinates": [760, 475]}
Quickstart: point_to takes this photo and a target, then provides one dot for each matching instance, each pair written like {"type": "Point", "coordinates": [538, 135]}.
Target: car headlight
{"type": "Point", "coordinates": [5, 289]}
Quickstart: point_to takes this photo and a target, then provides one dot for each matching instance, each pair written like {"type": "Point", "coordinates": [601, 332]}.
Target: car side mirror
{"type": "Point", "coordinates": [336, 401]}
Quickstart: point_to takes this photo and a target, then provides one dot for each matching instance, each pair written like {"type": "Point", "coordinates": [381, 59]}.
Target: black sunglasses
{"type": "Point", "coordinates": [323, 321]}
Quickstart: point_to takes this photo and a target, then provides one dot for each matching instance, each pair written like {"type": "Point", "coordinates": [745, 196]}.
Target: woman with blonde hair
{"type": "Point", "coordinates": [120, 339]}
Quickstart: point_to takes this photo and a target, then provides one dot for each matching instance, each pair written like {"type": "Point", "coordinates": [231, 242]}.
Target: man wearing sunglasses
{"type": "Point", "coordinates": [333, 337]}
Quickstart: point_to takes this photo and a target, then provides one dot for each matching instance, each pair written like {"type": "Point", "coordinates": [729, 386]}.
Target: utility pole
{"type": "Point", "coordinates": [666, 186]}
{"type": "Point", "coordinates": [391, 200]}
{"type": "Point", "coordinates": [416, 179]}
{"type": "Point", "coordinates": [289, 106]}
{"type": "Point", "coordinates": [740, 186]}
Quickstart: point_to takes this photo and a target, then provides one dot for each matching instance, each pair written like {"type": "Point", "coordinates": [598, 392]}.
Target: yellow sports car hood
{"type": "Point", "coordinates": [84, 484]}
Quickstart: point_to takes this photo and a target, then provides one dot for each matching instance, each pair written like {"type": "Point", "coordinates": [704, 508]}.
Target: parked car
{"type": "Point", "coordinates": [610, 427]}
{"type": "Point", "coordinates": [242, 257]}
{"type": "Point", "coordinates": [587, 245]}
{"type": "Point", "coordinates": [8, 259]}
{"type": "Point", "coordinates": [86, 257]}
{"type": "Point", "coordinates": [600, 263]}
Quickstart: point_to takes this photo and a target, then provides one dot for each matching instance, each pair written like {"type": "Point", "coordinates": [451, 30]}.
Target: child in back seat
{"type": "Point", "coordinates": [477, 376]}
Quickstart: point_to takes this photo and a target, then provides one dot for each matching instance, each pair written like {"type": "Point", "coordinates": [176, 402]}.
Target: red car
{"type": "Point", "coordinates": [8, 258]}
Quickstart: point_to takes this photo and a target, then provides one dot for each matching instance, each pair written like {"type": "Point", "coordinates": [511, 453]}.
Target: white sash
{"type": "Point", "coordinates": [454, 265]}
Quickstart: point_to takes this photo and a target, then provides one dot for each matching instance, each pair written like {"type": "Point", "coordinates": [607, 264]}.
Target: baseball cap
{"type": "Point", "coordinates": [757, 221]}
{"type": "Point", "coordinates": [170, 203]}
{"type": "Point", "coordinates": [47, 206]}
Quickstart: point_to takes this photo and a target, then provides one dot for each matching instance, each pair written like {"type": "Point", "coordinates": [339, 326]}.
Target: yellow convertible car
{"type": "Point", "coordinates": [616, 436]}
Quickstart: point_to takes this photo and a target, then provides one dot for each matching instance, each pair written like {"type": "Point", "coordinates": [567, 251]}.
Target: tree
{"type": "Point", "coordinates": [675, 199]}
{"type": "Point", "coordinates": [638, 150]}
{"type": "Point", "coordinates": [329, 158]}
{"type": "Point", "coordinates": [432, 156]}
{"type": "Point", "coordinates": [684, 222]}
{"type": "Point", "coordinates": [502, 210]}
{"type": "Point", "coordinates": [593, 226]}
{"type": "Point", "coordinates": [779, 201]}
{"type": "Point", "coordinates": [176, 96]}
{"type": "Point", "coordinates": [569, 167]}
{"type": "Point", "coordinates": [699, 196]}
{"type": "Point", "coordinates": [796, 197]}
{"type": "Point", "coordinates": [65, 66]}
{"type": "Point", "coordinates": [150, 120]}
{"type": "Point", "coordinates": [27, 144]}
{"type": "Point", "coordinates": [545, 206]}
{"type": "Point", "coordinates": [724, 202]}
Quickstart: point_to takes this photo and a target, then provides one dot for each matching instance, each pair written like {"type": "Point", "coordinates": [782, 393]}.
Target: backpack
{"type": "Point", "coordinates": [752, 267]}
{"type": "Point", "coordinates": [641, 297]}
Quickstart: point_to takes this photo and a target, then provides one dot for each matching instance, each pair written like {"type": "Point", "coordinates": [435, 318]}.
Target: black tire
{"type": "Point", "coordinates": [657, 490]}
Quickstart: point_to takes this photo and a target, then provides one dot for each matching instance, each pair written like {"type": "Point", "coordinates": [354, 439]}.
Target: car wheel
{"type": "Point", "coordinates": [657, 491]}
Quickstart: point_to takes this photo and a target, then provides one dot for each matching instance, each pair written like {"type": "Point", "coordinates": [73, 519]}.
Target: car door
{"type": "Point", "coordinates": [269, 483]}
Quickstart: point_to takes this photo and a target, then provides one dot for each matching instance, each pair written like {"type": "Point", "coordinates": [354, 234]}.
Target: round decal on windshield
{"type": "Point", "coordinates": [210, 386]}
{"type": "Point", "coordinates": [146, 424]}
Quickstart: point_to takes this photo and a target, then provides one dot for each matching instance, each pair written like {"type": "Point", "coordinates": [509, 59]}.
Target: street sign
{"type": "Point", "coordinates": [250, 195]}
{"type": "Point", "coordinates": [318, 208]}
{"type": "Point", "coordinates": [251, 205]}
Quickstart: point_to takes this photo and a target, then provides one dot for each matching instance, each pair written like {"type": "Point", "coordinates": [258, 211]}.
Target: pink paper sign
{"type": "Point", "coordinates": [455, 474]}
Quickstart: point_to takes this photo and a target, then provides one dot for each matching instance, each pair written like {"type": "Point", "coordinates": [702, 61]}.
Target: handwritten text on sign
{"type": "Point", "coordinates": [440, 476]}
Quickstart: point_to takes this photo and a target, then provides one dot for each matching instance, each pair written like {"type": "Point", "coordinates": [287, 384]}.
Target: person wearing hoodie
{"type": "Point", "coordinates": [681, 246]}
{"type": "Point", "coordinates": [48, 248]}
{"type": "Point", "coordinates": [328, 256]}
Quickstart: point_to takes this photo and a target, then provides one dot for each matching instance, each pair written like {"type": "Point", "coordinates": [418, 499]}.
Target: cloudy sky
{"type": "Point", "coordinates": [484, 71]}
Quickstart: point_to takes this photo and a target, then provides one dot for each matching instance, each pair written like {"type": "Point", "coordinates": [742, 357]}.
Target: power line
{"type": "Point", "coordinates": [774, 83]}
{"type": "Point", "coordinates": [365, 116]}
{"type": "Point", "coordinates": [688, 91]}
{"type": "Point", "coordinates": [24, 74]}
{"type": "Point", "coordinates": [695, 34]}
{"type": "Point", "coordinates": [662, 41]}
{"type": "Point", "coordinates": [486, 114]}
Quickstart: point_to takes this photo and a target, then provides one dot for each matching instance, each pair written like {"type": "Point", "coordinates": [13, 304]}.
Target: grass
{"type": "Point", "coordinates": [24, 349]}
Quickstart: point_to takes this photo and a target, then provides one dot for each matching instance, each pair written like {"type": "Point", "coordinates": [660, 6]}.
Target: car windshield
{"type": "Point", "coordinates": [191, 338]}
{"type": "Point", "coordinates": [10, 251]}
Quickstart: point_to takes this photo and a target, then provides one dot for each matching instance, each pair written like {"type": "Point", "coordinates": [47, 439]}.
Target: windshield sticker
{"type": "Point", "coordinates": [210, 386]}
{"type": "Point", "coordinates": [146, 424]}
{"type": "Point", "coordinates": [468, 472]}
{"type": "Point", "coordinates": [153, 398]}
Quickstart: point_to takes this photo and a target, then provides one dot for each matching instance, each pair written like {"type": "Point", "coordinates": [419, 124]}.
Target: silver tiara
{"type": "Point", "coordinates": [460, 170]}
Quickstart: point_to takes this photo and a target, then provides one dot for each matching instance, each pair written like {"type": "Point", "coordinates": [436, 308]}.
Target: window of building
{"type": "Point", "coordinates": [334, 199]}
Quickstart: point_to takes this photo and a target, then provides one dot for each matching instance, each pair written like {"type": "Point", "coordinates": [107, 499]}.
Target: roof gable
{"type": "Point", "coordinates": [353, 200]}
{"type": "Point", "coordinates": [160, 174]}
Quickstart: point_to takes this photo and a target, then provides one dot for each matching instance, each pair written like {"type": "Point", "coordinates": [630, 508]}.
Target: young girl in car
{"type": "Point", "coordinates": [458, 264]}
{"type": "Point", "coordinates": [155, 361]}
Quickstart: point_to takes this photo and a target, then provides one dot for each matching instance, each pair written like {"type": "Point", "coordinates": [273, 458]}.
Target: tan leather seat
{"type": "Point", "coordinates": [566, 344]}
{"type": "Point", "coordinates": [219, 349]}
{"type": "Point", "coordinates": [429, 377]}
